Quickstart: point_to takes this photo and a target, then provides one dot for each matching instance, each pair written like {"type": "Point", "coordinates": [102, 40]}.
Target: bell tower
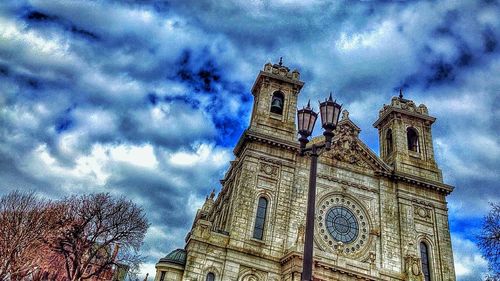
{"type": "Point", "coordinates": [275, 94]}
{"type": "Point", "coordinates": [405, 138]}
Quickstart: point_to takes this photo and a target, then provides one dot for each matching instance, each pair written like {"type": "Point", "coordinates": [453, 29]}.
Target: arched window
{"type": "Point", "coordinates": [162, 276]}
{"type": "Point", "coordinates": [210, 277]}
{"type": "Point", "coordinates": [424, 256]}
{"type": "Point", "coordinates": [388, 141]}
{"type": "Point", "coordinates": [260, 219]}
{"type": "Point", "coordinates": [412, 136]}
{"type": "Point", "coordinates": [277, 103]}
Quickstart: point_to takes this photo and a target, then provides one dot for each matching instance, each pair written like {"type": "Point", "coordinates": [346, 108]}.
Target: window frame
{"type": "Point", "coordinates": [278, 94]}
{"type": "Point", "coordinates": [263, 218]}
{"type": "Point", "coordinates": [428, 262]}
{"type": "Point", "coordinates": [389, 141]}
{"type": "Point", "coordinates": [210, 273]}
{"type": "Point", "coordinates": [409, 145]}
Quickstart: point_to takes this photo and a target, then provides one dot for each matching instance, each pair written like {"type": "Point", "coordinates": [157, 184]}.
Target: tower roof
{"type": "Point", "coordinates": [278, 71]}
{"type": "Point", "coordinates": [404, 106]}
{"type": "Point", "coordinates": [177, 256]}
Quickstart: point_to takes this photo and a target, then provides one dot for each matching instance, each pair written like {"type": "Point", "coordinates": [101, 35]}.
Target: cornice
{"type": "Point", "coordinates": [334, 268]}
{"type": "Point", "coordinates": [373, 158]}
{"type": "Point", "coordinates": [392, 109]}
{"type": "Point", "coordinates": [249, 135]}
{"type": "Point", "coordinates": [433, 185]}
{"type": "Point", "coordinates": [298, 83]}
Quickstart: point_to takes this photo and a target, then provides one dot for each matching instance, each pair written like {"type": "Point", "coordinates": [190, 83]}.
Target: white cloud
{"type": "Point", "coordinates": [204, 154]}
{"type": "Point", "coordinates": [143, 156]}
{"type": "Point", "coordinates": [469, 264]}
{"type": "Point", "coordinates": [164, 156]}
{"type": "Point", "coordinates": [16, 33]}
{"type": "Point", "coordinates": [147, 268]}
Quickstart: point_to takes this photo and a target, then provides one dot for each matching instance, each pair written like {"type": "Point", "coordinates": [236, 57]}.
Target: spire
{"type": "Point", "coordinates": [281, 61]}
{"type": "Point", "coordinates": [400, 93]}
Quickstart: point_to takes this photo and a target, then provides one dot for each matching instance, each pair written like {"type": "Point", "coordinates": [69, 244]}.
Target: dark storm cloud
{"type": "Point", "coordinates": [146, 99]}
{"type": "Point", "coordinates": [156, 190]}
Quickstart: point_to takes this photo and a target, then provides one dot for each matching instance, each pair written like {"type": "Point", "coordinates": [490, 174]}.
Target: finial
{"type": "Point", "coordinates": [281, 61]}
{"type": "Point", "coordinates": [345, 114]}
{"type": "Point", "coordinates": [330, 98]}
{"type": "Point", "coordinates": [308, 104]}
{"type": "Point", "coordinates": [400, 93]}
{"type": "Point", "coordinates": [212, 195]}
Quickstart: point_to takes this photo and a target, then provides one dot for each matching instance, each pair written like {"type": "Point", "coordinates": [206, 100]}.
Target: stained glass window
{"type": "Point", "coordinates": [424, 256]}
{"type": "Point", "coordinates": [342, 224]}
{"type": "Point", "coordinates": [260, 219]}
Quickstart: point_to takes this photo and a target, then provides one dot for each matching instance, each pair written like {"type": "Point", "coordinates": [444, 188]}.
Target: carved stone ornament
{"type": "Point", "coordinates": [345, 147]}
{"type": "Point", "coordinates": [345, 184]}
{"type": "Point", "coordinates": [371, 257]}
{"type": "Point", "coordinates": [422, 213]}
{"type": "Point", "coordinates": [412, 269]}
{"type": "Point", "coordinates": [268, 169]}
{"type": "Point", "coordinates": [301, 230]}
{"type": "Point", "coordinates": [415, 269]}
{"type": "Point", "coordinates": [339, 248]}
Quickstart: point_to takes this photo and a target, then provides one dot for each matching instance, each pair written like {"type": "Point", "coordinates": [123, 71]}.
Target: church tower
{"type": "Point", "coordinates": [405, 138]}
{"type": "Point", "coordinates": [275, 94]}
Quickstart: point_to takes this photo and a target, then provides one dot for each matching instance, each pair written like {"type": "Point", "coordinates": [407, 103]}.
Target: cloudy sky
{"type": "Point", "coordinates": [147, 99]}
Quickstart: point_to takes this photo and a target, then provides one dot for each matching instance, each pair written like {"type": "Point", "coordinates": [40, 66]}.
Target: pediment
{"type": "Point", "coordinates": [348, 149]}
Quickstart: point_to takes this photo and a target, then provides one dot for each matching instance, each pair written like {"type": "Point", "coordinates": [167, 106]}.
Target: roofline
{"type": "Point", "coordinates": [402, 111]}
{"type": "Point", "coordinates": [254, 136]}
{"type": "Point", "coordinates": [298, 83]}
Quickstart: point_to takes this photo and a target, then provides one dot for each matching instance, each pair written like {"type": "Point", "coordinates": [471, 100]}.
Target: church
{"type": "Point", "coordinates": [376, 217]}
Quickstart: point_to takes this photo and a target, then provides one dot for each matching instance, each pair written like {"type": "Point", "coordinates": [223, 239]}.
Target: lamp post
{"type": "Point", "coordinates": [329, 111]}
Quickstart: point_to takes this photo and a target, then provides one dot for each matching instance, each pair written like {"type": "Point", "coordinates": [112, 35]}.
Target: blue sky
{"type": "Point", "coordinates": [147, 99]}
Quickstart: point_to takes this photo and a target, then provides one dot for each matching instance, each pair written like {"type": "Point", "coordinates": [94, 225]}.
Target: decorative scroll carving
{"type": "Point", "coordinates": [270, 160]}
{"type": "Point", "coordinates": [404, 104]}
{"type": "Point", "coordinates": [301, 230]}
{"type": "Point", "coordinates": [422, 202]}
{"type": "Point", "coordinates": [372, 256]}
{"type": "Point", "coordinates": [339, 248]}
{"type": "Point", "coordinates": [344, 182]}
{"type": "Point", "coordinates": [412, 269]}
{"type": "Point", "coordinates": [345, 147]}
{"type": "Point", "coordinates": [268, 169]}
{"type": "Point", "coordinates": [422, 213]}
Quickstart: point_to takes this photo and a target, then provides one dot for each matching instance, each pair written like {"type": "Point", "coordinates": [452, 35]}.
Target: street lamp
{"type": "Point", "coordinates": [330, 111]}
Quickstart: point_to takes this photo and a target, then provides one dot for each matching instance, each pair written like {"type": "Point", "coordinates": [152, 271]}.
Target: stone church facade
{"type": "Point", "coordinates": [377, 218]}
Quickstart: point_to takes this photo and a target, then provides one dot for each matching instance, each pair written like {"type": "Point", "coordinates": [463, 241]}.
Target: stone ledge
{"type": "Point", "coordinates": [437, 186]}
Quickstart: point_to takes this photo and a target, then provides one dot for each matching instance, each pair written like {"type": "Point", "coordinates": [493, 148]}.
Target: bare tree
{"type": "Point", "coordinates": [97, 233]}
{"type": "Point", "coordinates": [489, 239]}
{"type": "Point", "coordinates": [24, 221]}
